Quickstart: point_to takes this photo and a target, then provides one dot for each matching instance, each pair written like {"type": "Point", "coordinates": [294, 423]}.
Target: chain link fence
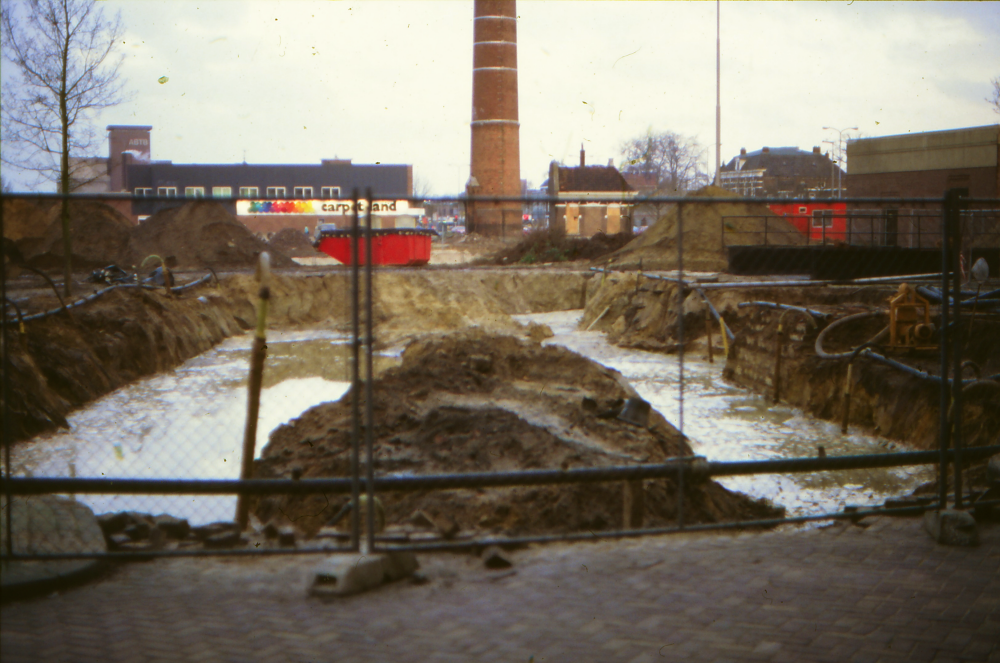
{"type": "Point", "coordinates": [144, 385]}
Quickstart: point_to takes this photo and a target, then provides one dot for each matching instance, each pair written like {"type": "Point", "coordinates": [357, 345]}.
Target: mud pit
{"type": "Point", "coordinates": [642, 313]}
{"type": "Point", "coordinates": [479, 402]}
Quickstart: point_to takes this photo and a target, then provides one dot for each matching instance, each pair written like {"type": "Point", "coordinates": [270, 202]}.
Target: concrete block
{"type": "Point", "coordinates": [993, 469]}
{"type": "Point", "coordinates": [952, 528]}
{"type": "Point", "coordinates": [351, 573]}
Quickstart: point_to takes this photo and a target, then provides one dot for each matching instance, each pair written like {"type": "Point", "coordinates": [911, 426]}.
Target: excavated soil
{"type": "Point", "coordinates": [200, 235]}
{"type": "Point", "coordinates": [196, 235]}
{"type": "Point", "coordinates": [479, 402]}
{"type": "Point", "coordinates": [293, 243]}
{"type": "Point", "coordinates": [548, 246]}
{"type": "Point", "coordinates": [100, 235]}
{"type": "Point", "coordinates": [706, 234]}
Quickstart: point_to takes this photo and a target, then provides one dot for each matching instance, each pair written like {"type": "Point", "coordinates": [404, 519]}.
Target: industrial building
{"type": "Point", "coordinates": [926, 164]}
{"type": "Point", "coordinates": [276, 195]}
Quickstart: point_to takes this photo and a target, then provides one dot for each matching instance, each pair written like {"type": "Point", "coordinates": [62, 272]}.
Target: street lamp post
{"type": "Point", "coordinates": [840, 150]}
{"type": "Point", "coordinates": [832, 162]}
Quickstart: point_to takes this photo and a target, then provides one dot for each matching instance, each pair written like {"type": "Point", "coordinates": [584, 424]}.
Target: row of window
{"type": "Point", "coordinates": [304, 192]}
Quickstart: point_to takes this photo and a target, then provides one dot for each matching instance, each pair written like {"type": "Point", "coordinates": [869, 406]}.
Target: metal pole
{"type": "Point", "coordinates": [718, 98]}
{"type": "Point", "coordinates": [680, 354]}
{"type": "Point", "coordinates": [355, 379]}
{"type": "Point", "coordinates": [945, 303]}
{"type": "Point", "coordinates": [955, 221]}
{"type": "Point", "coordinates": [5, 389]}
{"type": "Point", "coordinates": [369, 417]}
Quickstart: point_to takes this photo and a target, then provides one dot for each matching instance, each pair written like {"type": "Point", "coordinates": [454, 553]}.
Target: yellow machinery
{"type": "Point", "coordinates": [910, 326]}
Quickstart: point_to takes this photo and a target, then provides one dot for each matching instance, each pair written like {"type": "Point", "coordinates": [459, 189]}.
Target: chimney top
{"type": "Point", "coordinates": [611, 162]}
{"type": "Point", "coordinates": [816, 150]}
{"type": "Point", "coordinates": [766, 150]}
{"type": "Point", "coordinates": [743, 151]}
{"type": "Point", "coordinates": [583, 158]}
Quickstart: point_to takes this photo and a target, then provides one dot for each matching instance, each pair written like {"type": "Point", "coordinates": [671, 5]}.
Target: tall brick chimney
{"type": "Point", "coordinates": [496, 154]}
{"type": "Point", "coordinates": [132, 139]}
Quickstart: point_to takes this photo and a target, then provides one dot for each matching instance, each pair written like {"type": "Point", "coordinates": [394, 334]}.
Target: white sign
{"type": "Point", "coordinates": [320, 207]}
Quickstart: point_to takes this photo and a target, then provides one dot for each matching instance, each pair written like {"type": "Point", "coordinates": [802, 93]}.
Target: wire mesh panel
{"type": "Point", "coordinates": [142, 367]}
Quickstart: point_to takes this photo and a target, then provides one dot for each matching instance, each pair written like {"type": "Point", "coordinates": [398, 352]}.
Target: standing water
{"type": "Point", "coordinates": [728, 423]}
{"type": "Point", "coordinates": [188, 423]}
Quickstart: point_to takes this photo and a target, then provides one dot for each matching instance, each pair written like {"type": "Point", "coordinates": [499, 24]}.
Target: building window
{"type": "Point", "coordinates": [302, 192]}
{"type": "Point", "coordinates": [168, 191]}
{"type": "Point", "coordinates": [222, 192]}
{"type": "Point", "coordinates": [275, 192]}
{"type": "Point", "coordinates": [194, 192]}
{"type": "Point", "coordinates": [143, 192]}
{"type": "Point", "coordinates": [822, 217]}
{"type": "Point", "coordinates": [330, 192]}
{"type": "Point", "coordinates": [249, 192]}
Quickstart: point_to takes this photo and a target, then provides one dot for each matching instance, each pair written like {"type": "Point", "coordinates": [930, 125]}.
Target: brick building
{"type": "Point", "coordinates": [277, 195]}
{"type": "Point", "coordinates": [781, 171]}
{"type": "Point", "coordinates": [575, 185]}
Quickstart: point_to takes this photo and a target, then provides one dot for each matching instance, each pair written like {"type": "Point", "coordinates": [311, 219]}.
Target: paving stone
{"type": "Point", "coordinates": [254, 609]}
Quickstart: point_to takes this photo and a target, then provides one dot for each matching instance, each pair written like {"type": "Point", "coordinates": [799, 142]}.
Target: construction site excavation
{"type": "Point", "coordinates": [567, 361]}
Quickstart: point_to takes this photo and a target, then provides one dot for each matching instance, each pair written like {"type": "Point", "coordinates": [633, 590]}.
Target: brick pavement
{"type": "Point", "coordinates": [885, 592]}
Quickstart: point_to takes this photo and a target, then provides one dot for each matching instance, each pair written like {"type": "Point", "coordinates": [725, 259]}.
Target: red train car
{"type": "Point", "coordinates": [819, 221]}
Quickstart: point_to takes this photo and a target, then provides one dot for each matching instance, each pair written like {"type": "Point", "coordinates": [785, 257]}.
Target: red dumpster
{"type": "Point", "coordinates": [390, 246]}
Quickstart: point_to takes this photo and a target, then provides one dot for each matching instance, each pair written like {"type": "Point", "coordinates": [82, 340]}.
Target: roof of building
{"type": "Point", "coordinates": [782, 162]}
{"type": "Point", "coordinates": [592, 178]}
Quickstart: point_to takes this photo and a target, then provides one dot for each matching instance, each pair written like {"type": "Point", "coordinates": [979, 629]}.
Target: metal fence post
{"type": "Point", "coordinates": [5, 389]}
{"type": "Point", "coordinates": [680, 354]}
{"type": "Point", "coordinates": [369, 378]}
{"type": "Point", "coordinates": [355, 378]}
{"type": "Point", "coordinates": [954, 212]}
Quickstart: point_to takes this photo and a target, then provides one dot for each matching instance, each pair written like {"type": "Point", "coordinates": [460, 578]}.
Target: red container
{"type": "Point", "coordinates": [391, 246]}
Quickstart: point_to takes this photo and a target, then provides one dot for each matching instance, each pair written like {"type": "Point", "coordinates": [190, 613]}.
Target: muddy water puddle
{"type": "Point", "coordinates": [727, 423]}
{"type": "Point", "coordinates": [188, 423]}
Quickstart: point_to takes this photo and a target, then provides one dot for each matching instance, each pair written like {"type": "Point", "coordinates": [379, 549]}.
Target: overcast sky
{"type": "Point", "coordinates": [296, 81]}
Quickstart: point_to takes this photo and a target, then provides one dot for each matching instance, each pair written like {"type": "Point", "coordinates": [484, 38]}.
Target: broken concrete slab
{"type": "Point", "coordinates": [951, 527]}
{"type": "Point", "coordinates": [344, 574]}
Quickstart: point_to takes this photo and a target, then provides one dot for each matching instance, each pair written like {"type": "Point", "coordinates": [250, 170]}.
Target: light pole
{"type": "Point", "coordinates": [832, 162]}
{"type": "Point", "coordinates": [840, 150]}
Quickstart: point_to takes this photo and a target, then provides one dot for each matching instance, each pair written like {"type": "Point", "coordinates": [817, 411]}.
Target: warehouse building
{"type": "Point", "coordinates": [276, 195]}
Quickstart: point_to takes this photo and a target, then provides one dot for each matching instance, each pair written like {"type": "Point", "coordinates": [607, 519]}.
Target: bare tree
{"type": "Point", "coordinates": [995, 99]}
{"type": "Point", "coordinates": [678, 162]}
{"type": "Point", "coordinates": [62, 51]}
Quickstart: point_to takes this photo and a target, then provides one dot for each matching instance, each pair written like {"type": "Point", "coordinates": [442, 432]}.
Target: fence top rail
{"type": "Point", "coordinates": [627, 197]}
{"type": "Point", "coordinates": [691, 464]}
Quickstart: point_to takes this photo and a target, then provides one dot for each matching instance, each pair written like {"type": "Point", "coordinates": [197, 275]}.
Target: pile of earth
{"type": "Point", "coordinates": [292, 243]}
{"type": "Point", "coordinates": [100, 234]}
{"type": "Point", "coordinates": [480, 402]}
{"type": "Point", "coordinates": [196, 235]}
{"type": "Point", "coordinates": [706, 233]}
{"type": "Point", "coordinates": [548, 245]}
{"type": "Point", "coordinates": [200, 235]}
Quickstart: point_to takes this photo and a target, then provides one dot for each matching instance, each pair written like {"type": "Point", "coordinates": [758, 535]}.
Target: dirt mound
{"type": "Point", "coordinates": [200, 235]}
{"type": "Point", "coordinates": [99, 233]}
{"type": "Point", "coordinates": [704, 249]}
{"type": "Point", "coordinates": [475, 401]}
{"type": "Point", "coordinates": [22, 219]}
{"type": "Point", "coordinates": [543, 246]}
{"type": "Point", "coordinates": [293, 243]}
